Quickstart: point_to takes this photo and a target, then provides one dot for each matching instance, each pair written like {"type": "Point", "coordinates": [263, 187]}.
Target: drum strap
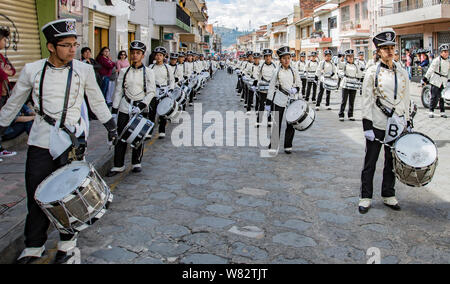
{"type": "Point", "coordinates": [167, 69]}
{"type": "Point", "coordinates": [66, 98]}
{"type": "Point", "coordinates": [124, 83]}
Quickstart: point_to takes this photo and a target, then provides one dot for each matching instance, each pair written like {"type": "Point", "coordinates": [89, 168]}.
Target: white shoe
{"type": "Point", "coordinates": [242, 100]}
{"type": "Point", "coordinates": [392, 201]}
{"type": "Point", "coordinates": [328, 108]}
{"type": "Point", "coordinates": [258, 124]}
{"type": "Point", "coordinates": [162, 135]}
{"type": "Point", "coordinates": [248, 113]}
{"type": "Point", "coordinates": [366, 202]}
{"type": "Point", "coordinates": [190, 104]}
{"type": "Point", "coordinates": [148, 136]}
{"type": "Point", "coordinates": [341, 119]}
{"type": "Point", "coordinates": [443, 115]}
{"type": "Point", "coordinates": [431, 115]}
{"type": "Point", "coordinates": [317, 108]}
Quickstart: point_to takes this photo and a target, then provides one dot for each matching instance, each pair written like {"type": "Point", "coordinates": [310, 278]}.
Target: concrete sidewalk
{"type": "Point", "coordinates": [13, 207]}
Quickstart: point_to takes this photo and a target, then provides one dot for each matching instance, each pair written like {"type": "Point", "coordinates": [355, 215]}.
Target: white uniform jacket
{"type": "Point", "coordinates": [439, 72]}
{"type": "Point", "coordinates": [286, 79]}
{"type": "Point", "coordinates": [133, 88]}
{"type": "Point", "coordinates": [385, 91]}
{"type": "Point", "coordinates": [53, 93]}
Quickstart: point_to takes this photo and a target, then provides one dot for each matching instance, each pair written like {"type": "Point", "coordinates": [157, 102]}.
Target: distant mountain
{"type": "Point", "coordinates": [229, 36]}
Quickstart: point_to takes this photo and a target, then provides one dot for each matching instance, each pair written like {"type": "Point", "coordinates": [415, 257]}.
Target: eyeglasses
{"type": "Point", "coordinates": [68, 45]}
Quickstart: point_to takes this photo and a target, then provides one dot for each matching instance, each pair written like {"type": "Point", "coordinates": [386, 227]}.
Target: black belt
{"type": "Point", "coordinates": [128, 100]}
{"type": "Point", "coordinates": [158, 86]}
{"type": "Point", "coordinates": [440, 74]}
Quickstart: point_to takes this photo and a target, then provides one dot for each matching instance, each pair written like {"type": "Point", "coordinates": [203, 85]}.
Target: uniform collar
{"type": "Point", "coordinates": [60, 68]}
{"type": "Point", "coordinates": [140, 67]}
{"type": "Point", "coordinates": [173, 65]}
{"type": "Point", "coordinates": [394, 67]}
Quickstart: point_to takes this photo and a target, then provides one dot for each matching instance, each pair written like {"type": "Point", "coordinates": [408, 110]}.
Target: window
{"type": "Point", "coordinates": [310, 30]}
{"type": "Point", "coordinates": [318, 26]}
{"type": "Point", "coordinates": [345, 14]}
{"type": "Point", "coordinates": [357, 13]}
{"type": "Point", "coordinates": [365, 10]}
{"type": "Point", "coordinates": [304, 34]}
{"type": "Point", "coordinates": [332, 23]}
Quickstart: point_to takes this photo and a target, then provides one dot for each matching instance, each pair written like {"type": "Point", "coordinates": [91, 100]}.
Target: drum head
{"type": "Point", "coordinates": [62, 182]}
{"type": "Point", "coordinates": [165, 106]}
{"type": "Point", "coordinates": [416, 150]}
{"type": "Point", "coordinates": [176, 94]}
{"type": "Point", "coordinates": [296, 110]}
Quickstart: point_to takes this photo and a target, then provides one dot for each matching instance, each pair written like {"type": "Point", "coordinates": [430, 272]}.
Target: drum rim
{"type": "Point", "coordinates": [302, 118]}
{"type": "Point", "coordinates": [310, 124]}
{"type": "Point", "coordinates": [397, 157]}
{"type": "Point", "coordinates": [171, 109]}
{"type": "Point", "coordinates": [60, 170]}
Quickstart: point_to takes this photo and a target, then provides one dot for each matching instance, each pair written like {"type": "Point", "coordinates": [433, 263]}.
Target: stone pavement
{"type": "Point", "coordinates": [229, 205]}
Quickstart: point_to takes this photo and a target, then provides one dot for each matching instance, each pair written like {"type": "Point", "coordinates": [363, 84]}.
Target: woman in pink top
{"type": "Point", "coordinates": [122, 61]}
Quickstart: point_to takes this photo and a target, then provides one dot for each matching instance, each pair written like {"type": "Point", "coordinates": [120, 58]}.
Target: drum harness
{"type": "Point", "coordinates": [124, 86]}
{"type": "Point", "coordinates": [168, 78]}
{"type": "Point", "coordinates": [279, 85]}
{"type": "Point", "coordinates": [79, 144]}
{"type": "Point", "coordinates": [385, 110]}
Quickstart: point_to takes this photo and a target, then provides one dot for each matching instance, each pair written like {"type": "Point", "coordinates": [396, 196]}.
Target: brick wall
{"type": "Point", "coordinates": [307, 6]}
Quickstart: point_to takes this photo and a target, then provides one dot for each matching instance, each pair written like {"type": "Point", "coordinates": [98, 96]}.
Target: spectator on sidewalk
{"type": "Point", "coordinates": [6, 68]}
{"type": "Point", "coordinates": [104, 59]}
{"type": "Point", "coordinates": [122, 61]}
{"type": "Point", "coordinates": [409, 62]}
{"type": "Point", "coordinates": [86, 57]}
{"type": "Point", "coordinates": [22, 123]}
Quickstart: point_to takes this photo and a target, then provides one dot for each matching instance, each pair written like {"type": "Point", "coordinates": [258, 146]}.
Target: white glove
{"type": "Point", "coordinates": [410, 129]}
{"type": "Point", "coordinates": [267, 108]}
{"type": "Point", "coordinates": [253, 88]}
{"type": "Point", "coordinates": [293, 91]}
{"type": "Point", "coordinates": [370, 135]}
{"type": "Point", "coordinates": [135, 110]}
{"type": "Point", "coordinates": [114, 116]}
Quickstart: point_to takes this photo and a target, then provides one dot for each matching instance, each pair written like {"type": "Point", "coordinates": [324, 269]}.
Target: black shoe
{"type": "Point", "coordinates": [63, 257]}
{"type": "Point", "coordinates": [137, 170]}
{"type": "Point", "coordinates": [112, 173]}
{"type": "Point", "coordinates": [394, 207]}
{"type": "Point", "coordinates": [363, 210]}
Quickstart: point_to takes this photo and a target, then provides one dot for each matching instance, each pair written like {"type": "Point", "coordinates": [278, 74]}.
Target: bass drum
{"type": "Point", "coordinates": [415, 159]}
{"type": "Point", "coordinates": [300, 115]}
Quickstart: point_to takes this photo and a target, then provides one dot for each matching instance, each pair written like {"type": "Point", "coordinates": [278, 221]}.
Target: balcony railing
{"type": "Point", "coordinates": [403, 7]}
{"type": "Point", "coordinates": [183, 17]}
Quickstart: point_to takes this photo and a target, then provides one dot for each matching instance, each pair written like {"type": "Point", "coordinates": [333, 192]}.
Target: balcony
{"type": "Point", "coordinates": [170, 14]}
{"type": "Point", "coordinates": [351, 30]}
{"type": "Point", "coordinates": [197, 9]}
{"type": "Point", "coordinates": [418, 12]}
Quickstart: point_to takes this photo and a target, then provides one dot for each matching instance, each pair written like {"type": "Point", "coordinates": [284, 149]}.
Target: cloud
{"type": "Point", "coordinates": [238, 13]}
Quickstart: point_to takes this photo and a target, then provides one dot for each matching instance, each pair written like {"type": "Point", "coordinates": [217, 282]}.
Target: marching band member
{"type": "Point", "coordinates": [301, 69]}
{"type": "Point", "coordinates": [326, 69]}
{"type": "Point", "coordinates": [54, 84]}
{"type": "Point", "coordinates": [350, 71]}
{"type": "Point", "coordinates": [164, 81]}
{"type": "Point", "coordinates": [263, 75]}
{"type": "Point", "coordinates": [248, 72]}
{"type": "Point", "coordinates": [340, 65]}
{"type": "Point", "coordinates": [361, 63]}
{"type": "Point", "coordinates": [385, 101]}
{"type": "Point", "coordinates": [188, 72]}
{"type": "Point", "coordinates": [373, 61]}
{"type": "Point", "coordinates": [397, 59]}
{"type": "Point", "coordinates": [438, 76]}
{"type": "Point", "coordinates": [284, 86]}
{"type": "Point", "coordinates": [176, 69]}
{"type": "Point", "coordinates": [251, 71]}
{"type": "Point", "coordinates": [135, 90]}
{"type": "Point", "coordinates": [311, 68]}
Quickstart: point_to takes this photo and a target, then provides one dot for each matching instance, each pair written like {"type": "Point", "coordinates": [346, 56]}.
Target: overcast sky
{"type": "Point", "coordinates": [237, 13]}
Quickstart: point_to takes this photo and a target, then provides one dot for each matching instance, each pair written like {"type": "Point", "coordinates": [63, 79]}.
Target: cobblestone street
{"type": "Point", "coordinates": [229, 205]}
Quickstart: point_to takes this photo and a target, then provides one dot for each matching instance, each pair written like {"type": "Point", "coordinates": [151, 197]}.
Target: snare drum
{"type": "Point", "coordinates": [330, 84]}
{"type": "Point", "coordinates": [263, 88]}
{"type": "Point", "coordinates": [74, 197]}
{"type": "Point", "coordinates": [176, 94]}
{"type": "Point", "coordinates": [311, 77]}
{"type": "Point", "coordinates": [300, 115]}
{"type": "Point", "coordinates": [136, 130]}
{"type": "Point", "coordinates": [415, 159]}
{"type": "Point", "coordinates": [446, 94]}
{"type": "Point", "coordinates": [353, 84]}
{"type": "Point", "coordinates": [169, 108]}
{"type": "Point", "coordinates": [302, 75]}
